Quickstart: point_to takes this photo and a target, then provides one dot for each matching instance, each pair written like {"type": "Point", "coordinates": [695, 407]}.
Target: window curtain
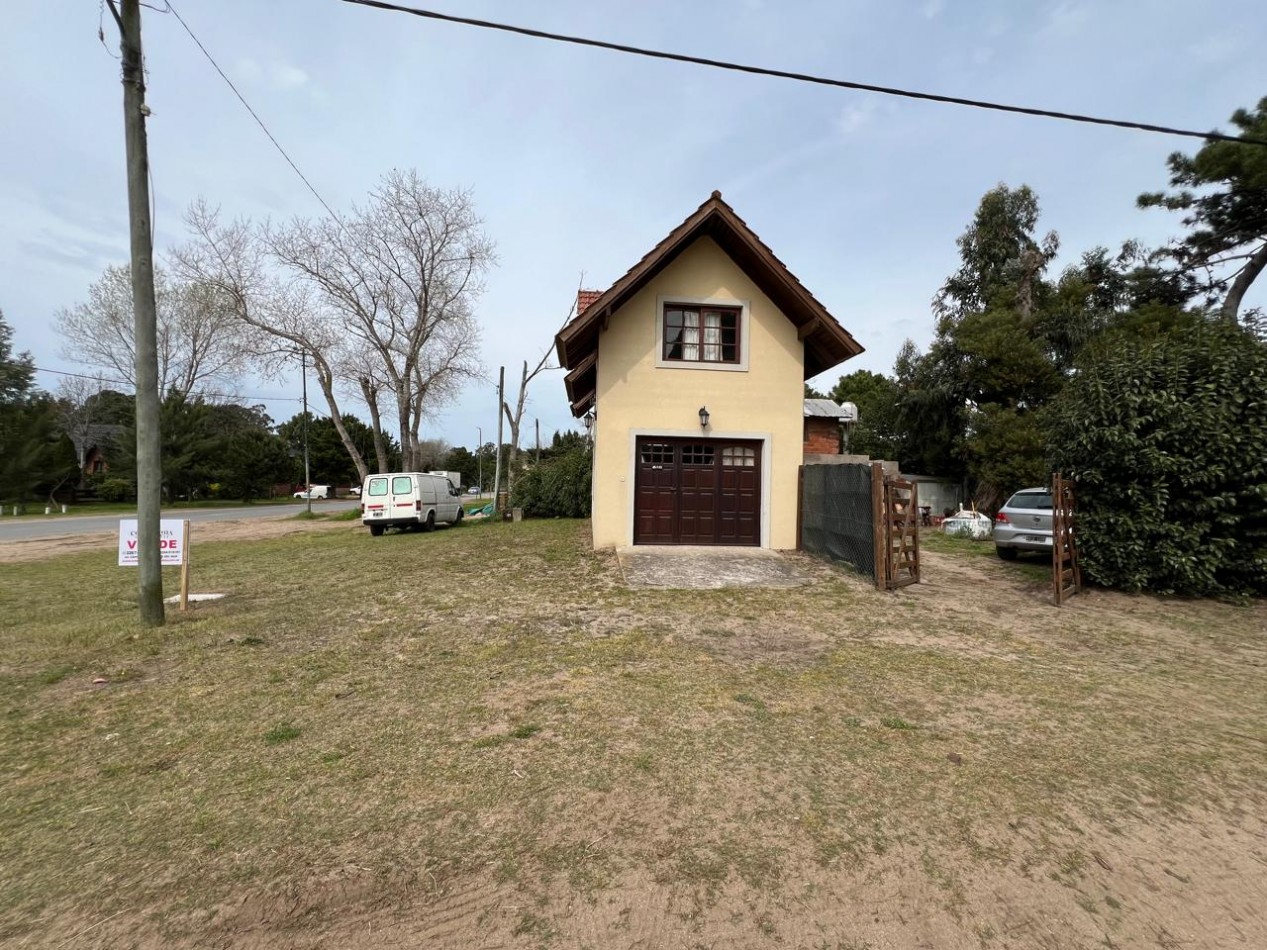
{"type": "Point", "coordinates": [690, 336]}
{"type": "Point", "coordinates": [712, 337]}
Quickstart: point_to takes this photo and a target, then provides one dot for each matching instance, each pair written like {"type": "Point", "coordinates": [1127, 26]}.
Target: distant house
{"type": "Point", "coordinates": [92, 445]}
{"type": "Point", "coordinates": [693, 365]}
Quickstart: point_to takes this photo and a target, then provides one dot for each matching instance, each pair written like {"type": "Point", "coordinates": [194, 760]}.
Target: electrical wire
{"type": "Point", "coordinates": [124, 382]}
{"type": "Point", "coordinates": [254, 115]}
{"type": "Point", "coordinates": [804, 77]}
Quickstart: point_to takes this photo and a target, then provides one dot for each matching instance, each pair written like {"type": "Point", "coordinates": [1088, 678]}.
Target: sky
{"type": "Point", "coordinates": [580, 160]}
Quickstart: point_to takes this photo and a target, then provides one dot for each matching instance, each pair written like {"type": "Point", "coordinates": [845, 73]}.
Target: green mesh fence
{"type": "Point", "coordinates": [836, 515]}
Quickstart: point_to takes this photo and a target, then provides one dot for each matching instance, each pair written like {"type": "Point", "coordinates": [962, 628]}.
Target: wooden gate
{"type": "Point", "coordinates": [1066, 575]}
{"type": "Point", "coordinates": [895, 502]}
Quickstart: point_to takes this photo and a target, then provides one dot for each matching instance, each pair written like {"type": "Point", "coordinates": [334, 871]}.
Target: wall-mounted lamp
{"type": "Point", "coordinates": [588, 419]}
{"type": "Point", "coordinates": [703, 417]}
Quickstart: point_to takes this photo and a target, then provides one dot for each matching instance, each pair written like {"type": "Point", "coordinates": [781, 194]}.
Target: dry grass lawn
{"type": "Point", "coordinates": [481, 738]}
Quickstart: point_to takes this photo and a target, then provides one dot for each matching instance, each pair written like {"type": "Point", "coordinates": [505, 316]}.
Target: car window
{"type": "Point", "coordinates": [378, 486]}
{"type": "Point", "coordinates": [402, 485]}
{"type": "Point", "coordinates": [1030, 500]}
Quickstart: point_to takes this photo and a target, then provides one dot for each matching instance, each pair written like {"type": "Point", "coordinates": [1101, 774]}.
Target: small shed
{"type": "Point", "coordinates": [824, 420]}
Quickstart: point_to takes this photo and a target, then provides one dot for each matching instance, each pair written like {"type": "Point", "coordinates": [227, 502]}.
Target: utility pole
{"type": "Point", "coordinates": [149, 466]}
{"type": "Point", "coordinates": [538, 422]}
{"type": "Point", "coordinates": [303, 369]}
{"type": "Point", "coordinates": [479, 458]}
{"type": "Point", "coordinates": [497, 476]}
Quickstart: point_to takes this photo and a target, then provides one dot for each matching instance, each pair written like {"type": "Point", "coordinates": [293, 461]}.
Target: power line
{"type": "Point", "coordinates": [804, 77]}
{"type": "Point", "coordinates": [254, 115]}
{"type": "Point", "coordinates": [125, 382]}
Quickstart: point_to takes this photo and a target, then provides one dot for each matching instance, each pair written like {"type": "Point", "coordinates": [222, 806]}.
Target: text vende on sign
{"type": "Point", "coordinates": [171, 542]}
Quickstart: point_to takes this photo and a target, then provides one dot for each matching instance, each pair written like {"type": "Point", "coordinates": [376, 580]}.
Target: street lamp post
{"type": "Point", "coordinates": [479, 457]}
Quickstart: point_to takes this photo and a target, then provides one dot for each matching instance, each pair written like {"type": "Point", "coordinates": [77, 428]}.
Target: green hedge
{"type": "Point", "coordinates": [1167, 438]}
{"type": "Point", "coordinates": [115, 490]}
{"type": "Point", "coordinates": [557, 488]}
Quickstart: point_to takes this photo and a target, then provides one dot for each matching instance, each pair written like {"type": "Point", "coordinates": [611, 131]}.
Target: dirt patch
{"type": "Point", "coordinates": [247, 529]}
{"type": "Point", "coordinates": [707, 568]}
{"type": "Point", "coordinates": [1145, 884]}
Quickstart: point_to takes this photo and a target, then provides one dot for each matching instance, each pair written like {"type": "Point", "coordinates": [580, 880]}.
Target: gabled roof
{"type": "Point", "coordinates": [827, 343]}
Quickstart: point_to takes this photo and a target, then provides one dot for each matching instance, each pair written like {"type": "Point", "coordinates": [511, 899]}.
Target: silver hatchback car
{"type": "Point", "coordinates": [1023, 523]}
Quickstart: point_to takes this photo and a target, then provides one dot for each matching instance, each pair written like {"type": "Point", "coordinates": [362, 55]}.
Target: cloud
{"type": "Point", "coordinates": [286, 76]}
{"type": "Point", "coordinates": [982, 55]}
{"type": "Point", "coordinates": [931, 8]}
{"type": "Point", "coordinates": [1067, 19]}
{"type": "Point", "coordinates": [854, 117]}
{"type": "Point", "coordinates": [279, 75]}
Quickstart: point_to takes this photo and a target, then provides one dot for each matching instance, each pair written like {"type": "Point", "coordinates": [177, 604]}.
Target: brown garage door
{"type": "Point", "coordinates": [697, 491]}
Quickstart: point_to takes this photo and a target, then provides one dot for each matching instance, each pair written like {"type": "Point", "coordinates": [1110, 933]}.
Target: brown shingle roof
{"type": "Point", "coordinates": [827, 343]}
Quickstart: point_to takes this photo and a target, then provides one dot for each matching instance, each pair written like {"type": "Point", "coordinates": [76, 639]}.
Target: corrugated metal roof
{"type": "Point", "coordinates": [827, 409]}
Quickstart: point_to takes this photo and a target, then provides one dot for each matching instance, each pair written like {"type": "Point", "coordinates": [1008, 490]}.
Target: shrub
{"type": "Point", "coordinates": [115, 489]}
{"type": "Point", "coordinates": [558, 488]}
{"type": "Point", "coordinates": [1167, 438]}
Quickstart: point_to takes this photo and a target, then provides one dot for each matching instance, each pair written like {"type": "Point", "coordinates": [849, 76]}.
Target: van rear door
{"type": "Point", "coordinates": [376, 497]}
{"type": "Point", "coordinates": [404, 498]}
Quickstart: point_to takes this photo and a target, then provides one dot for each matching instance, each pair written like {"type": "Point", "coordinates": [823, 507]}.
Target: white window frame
{"type": "Point", "coordinates": [745, 333]}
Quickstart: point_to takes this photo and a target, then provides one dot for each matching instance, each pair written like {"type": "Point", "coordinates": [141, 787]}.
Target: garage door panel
{"type": "Point", "coordinates": [739, 506]}
{"type": "Point", "coordinates": [697, 491]}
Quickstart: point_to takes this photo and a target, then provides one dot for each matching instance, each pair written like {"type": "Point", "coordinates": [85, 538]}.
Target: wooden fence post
{"type": "Point", "coordinates": [800, 506]}
{"type": "Point", "coordinates": [184, 571]}
{"type": "Point", "coordinates": [879, 525]}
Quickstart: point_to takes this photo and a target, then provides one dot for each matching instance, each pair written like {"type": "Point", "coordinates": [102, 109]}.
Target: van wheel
{"type": "Point", "coordinates": [1007, 554]}
{"type": "Point", "coordinates": [458, 520]}
{"type": "Point", "coordinates": [431, 522]}
{"type": "Point", "coordinates": [376, 530]}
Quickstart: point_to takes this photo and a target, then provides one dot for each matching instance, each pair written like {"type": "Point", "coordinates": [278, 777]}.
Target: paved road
{"type": "Point", "coordinates": [60, 526]}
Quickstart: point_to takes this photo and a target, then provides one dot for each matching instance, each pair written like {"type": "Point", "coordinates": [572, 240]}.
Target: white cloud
{"type": "Point", "coordinates": [249, 70]}
{"type": "Point", "coordinates": [286, 76]}
{"type": "Point", "coordinates": [1067, 19]}
{"type": "Point", "coordinates": [931, 8]}
{"type": "Point", "coordinates": [279, 75]}
{"type": "Point", "coordinates": [854, 117]}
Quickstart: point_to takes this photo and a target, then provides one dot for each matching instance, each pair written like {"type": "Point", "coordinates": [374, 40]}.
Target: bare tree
{"type": "Point", "coordinates": [78, 400]}
{"type": "Point", "coordinates": [199, 341]}
{"type": "Point", "coordinates": [403, 273]}
{"type": "Point", "coordinates": [231, 259]}
{"type": "Point", "coordinates": [515, 418]}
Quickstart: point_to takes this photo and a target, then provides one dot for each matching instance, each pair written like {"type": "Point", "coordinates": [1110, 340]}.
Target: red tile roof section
{"type": "Point", "coordinates": [584, 298]}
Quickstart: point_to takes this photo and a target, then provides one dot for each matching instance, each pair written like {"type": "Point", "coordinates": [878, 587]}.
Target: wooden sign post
{"type": "Point", "coordinates": [184, 571]}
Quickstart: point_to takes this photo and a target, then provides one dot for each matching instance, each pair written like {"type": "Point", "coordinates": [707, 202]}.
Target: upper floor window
{"type": "Point", "coordinates": [701, 334]}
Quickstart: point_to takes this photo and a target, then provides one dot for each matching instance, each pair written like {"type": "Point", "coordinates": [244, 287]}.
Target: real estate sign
{"type": "Point", "coordinates": [171, 542]}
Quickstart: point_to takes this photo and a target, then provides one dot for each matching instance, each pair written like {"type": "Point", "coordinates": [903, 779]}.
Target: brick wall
{"type": "Point", "coordinates": [822, 436]}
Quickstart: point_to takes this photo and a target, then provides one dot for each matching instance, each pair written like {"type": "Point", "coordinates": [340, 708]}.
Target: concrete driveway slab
{"type": "Point", "coordinates": [685, 567]}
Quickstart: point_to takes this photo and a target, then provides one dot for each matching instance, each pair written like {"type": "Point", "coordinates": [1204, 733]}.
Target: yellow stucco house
{"type": "Point", "coordinates": [693, 364]}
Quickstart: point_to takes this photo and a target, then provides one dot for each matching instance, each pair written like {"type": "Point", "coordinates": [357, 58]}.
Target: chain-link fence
{"type": "Point", "coordinates": [836, 515]}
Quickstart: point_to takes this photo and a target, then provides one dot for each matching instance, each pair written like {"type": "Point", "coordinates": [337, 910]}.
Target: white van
{"type": "Point", "coordinates": [408, 500]}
